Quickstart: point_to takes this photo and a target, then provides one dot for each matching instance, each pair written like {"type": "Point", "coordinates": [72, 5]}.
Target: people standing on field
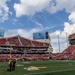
{"type": "Point", "coordinates": [11, 65]}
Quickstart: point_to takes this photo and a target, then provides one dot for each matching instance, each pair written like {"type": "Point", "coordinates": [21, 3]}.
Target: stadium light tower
{"type": "Point", "coordinates": [66, 39]}
{"type": "Point", "coordinates": [57, 33]}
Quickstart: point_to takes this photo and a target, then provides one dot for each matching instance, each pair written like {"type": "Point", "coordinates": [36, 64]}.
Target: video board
{"type": "Point", "coordinates": [39, 35]}
{"type": "Point", "coordinates": [1, 32]}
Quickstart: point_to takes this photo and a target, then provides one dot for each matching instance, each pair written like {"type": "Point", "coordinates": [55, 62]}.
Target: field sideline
{"type": "Point", "coordinates": [61, 67]}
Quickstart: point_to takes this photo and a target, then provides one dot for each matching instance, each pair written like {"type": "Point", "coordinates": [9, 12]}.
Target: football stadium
{"type": "Point", "coordinates": [36, 57]}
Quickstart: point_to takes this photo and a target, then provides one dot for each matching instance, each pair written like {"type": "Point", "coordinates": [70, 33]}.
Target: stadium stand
{"type": "Point", "coordinates": [2, 41]}
{"type": "Point", "coordinates": [23, 48]}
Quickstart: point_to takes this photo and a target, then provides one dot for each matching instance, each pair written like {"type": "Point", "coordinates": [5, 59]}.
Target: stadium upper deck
{"type": "Point", "coordinates": [21, 42]}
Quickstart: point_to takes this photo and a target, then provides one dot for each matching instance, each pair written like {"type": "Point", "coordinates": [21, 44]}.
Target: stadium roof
{"type": "Point", "coordinates": [21, 41]}
{"type": "Point", "coordinates": [72, 35]}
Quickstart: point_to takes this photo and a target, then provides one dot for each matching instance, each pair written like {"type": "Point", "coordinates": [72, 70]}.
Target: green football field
{"type": "Point", "coordinates": [61, 67]}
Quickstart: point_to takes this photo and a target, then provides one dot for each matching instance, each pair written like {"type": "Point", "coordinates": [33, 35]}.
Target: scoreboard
{"type": "Point", "coordinates": [1, 32]}
{"type": "Point", "coordinates": [39, 35]}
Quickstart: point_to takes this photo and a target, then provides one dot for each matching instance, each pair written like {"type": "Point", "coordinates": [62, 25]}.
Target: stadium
{"type": "Point", "coordinates": [35, 57]}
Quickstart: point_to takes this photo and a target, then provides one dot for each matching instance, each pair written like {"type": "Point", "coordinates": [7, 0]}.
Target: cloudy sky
{"type": "Point", "coordinates": [24, 17]}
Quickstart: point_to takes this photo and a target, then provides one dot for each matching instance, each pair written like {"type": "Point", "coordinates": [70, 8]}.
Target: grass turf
{"type": "Point", "coordinates": [60, 67]}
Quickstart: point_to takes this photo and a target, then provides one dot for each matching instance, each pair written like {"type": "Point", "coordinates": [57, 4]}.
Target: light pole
{"type": "Point", "coordinates": [58, 43]}
{"type": "Point", "coordinates": [57, 33]}
{"type": "Point", "coordinates": [66, 39]}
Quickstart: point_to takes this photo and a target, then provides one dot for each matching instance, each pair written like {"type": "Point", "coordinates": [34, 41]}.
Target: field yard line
{"type": "Point", "coordinates": [48, 72]}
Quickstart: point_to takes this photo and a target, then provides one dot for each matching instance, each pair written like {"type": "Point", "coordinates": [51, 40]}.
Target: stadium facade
{"type": "Point", "coordinates": [26, 49]}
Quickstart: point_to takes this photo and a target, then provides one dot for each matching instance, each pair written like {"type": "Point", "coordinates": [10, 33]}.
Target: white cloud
{"type": "Point", "coordinates": [58, 5]}
{"type": "Point", "coordinates": [4, 10]}
{"type": "Point", "coordinates": [72, 17]}
{"type": "Point", "coordinates": [23, 32]}
{"type": "Point", "coordinates": [30, 7]}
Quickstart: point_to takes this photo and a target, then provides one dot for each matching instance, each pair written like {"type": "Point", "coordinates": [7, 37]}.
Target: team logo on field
{"type": "Point", "coordinates": [32, 68]}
